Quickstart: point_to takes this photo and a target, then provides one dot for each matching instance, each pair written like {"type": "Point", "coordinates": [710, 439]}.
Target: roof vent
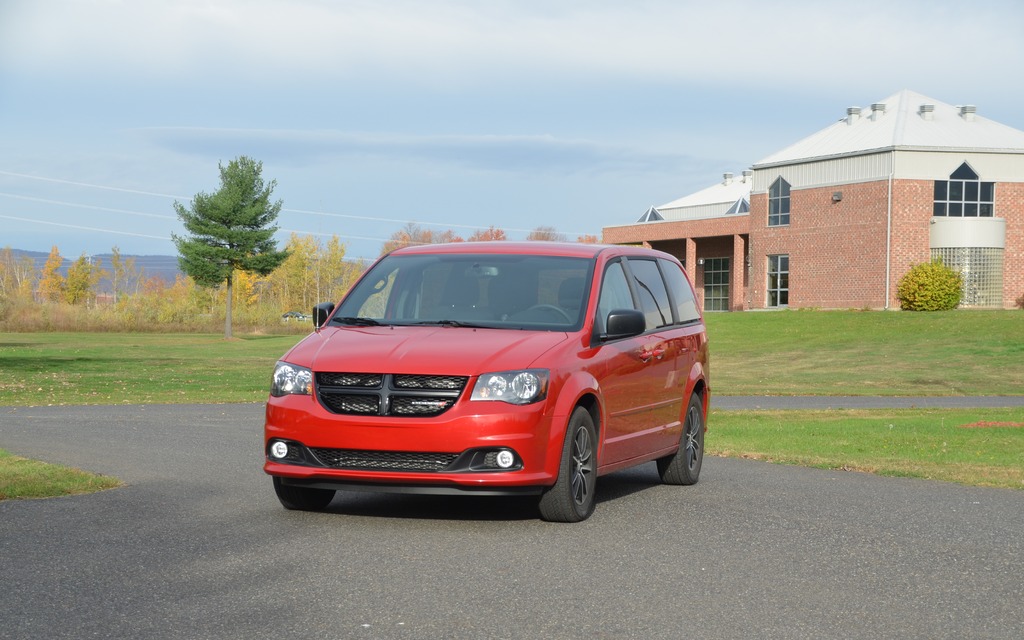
{"type": "Point", "coordinates": [852, 115]}
{"type": "Point", "coordinates": [927, 111]}
{"type": "Point", "coordinates": [727, 178]}
{"type": "Point", "coordinates": [967, 112]}
{"type": "Point", "coordinates": [748, 175]}
{"type": "Point", "coordinates": [877, 110]}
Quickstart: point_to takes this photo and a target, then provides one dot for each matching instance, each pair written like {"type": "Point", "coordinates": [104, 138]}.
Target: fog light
{"type": "Point", "coordinates": [505, 459]}
{"type": "Point", "coordinates": [279, 450]}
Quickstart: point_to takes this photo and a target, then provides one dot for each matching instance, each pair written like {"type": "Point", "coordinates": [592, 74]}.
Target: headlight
{"type": "Point", "coordinates": [525, 386]}
{"type": "Point", "coordinates": [289, 378]}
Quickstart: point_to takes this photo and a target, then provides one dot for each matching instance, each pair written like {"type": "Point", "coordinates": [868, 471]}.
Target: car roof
{"type": "Point", "coordinates": [537, 248]}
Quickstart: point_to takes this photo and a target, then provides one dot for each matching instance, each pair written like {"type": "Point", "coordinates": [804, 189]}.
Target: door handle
{"type": "Point", "coordinates": [647, 354]}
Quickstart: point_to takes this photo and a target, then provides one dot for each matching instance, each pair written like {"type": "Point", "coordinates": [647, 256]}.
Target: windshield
{"type": "Point", "coordinates": [481, 290]}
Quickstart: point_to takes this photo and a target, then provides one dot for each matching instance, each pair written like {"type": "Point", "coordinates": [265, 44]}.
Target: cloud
{"type": "Point", "coordinates": [529, 154]}
{"type": "Point", "coordinates": [749, 43]}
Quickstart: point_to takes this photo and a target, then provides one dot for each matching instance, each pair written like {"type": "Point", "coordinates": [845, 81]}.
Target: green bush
{"type": "Point", "coordinates": [930, 286]}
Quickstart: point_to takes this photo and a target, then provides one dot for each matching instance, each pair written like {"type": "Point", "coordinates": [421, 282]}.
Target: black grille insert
{"type": "Point", "coordinates": [375, 394]}
{"type": "Point", "coordinates": [383, 460]}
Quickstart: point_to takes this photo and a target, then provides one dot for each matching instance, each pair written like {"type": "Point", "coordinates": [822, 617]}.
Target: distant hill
{"type": "Point", "coordinates": [163, 267]}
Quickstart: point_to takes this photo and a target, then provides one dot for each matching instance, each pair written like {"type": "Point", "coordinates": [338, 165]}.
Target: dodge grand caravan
{"type": "Point", "coordinates": [494, 368]}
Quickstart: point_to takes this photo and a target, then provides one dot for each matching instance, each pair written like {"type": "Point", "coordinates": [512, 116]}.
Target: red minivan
{"type": "Point", "coordinates": [494, 368]}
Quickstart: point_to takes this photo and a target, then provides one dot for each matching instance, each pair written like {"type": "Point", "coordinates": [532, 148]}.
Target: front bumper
{"type": "Point", "coordinates": [448, 454]}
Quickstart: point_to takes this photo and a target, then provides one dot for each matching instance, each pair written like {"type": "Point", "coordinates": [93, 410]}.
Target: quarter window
{"type": "Point", "coordinates": [778, 281]}
{"type": "Point", "coordinates": [964, 195]}
{"type": "Point", "coordinates": [653, 295]}
{"type": "Point", "coordinates": [682, 294]}
{"type": "Point", "coordinates": [778, 203]}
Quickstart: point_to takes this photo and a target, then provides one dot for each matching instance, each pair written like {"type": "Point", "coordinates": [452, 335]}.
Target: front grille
{"type": "Point", "coordinates": [360, 380]}
{"type": "Point", "coordinates": [374, 394]}
{"type": "Point", "coordinates": [383, 460]}
{"type": "Point", "coordinates": [360, 405]}
{"type": "Point", "coordinates": [430, 382]}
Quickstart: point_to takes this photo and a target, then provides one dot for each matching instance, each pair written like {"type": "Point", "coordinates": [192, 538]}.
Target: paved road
{"type": "Point", "coordinates": [196, 546]}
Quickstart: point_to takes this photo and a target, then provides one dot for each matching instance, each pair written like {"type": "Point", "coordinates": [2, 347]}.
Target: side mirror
{"type": "Point", "coordinates": [624, 323]}
{"type": "Point", "coordinates": [321, 312]}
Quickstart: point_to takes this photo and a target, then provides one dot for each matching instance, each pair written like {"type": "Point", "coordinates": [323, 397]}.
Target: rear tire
{"type": "Point", "coordinates": [683, 466]}
{"type": "Point", "coordinates": [302, 498]}
{"type": "Point", "coordinates": [571, 498]}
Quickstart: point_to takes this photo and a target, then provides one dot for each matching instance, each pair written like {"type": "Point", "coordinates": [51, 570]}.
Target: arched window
{"type": "Point", "coordinates": [778, 203]}
{"type": "Point", "coordinates": [964, 195]}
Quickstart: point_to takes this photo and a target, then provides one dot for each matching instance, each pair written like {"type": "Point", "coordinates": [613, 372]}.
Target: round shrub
{"type": "Point", "coordinates": [930, 286]}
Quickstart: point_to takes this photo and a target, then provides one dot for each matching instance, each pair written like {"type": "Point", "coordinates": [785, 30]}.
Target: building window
{"type": "Point", "coordinates": [964, 195]}
{"type": "Point", "coordinates": [778, 203]}
{"type": "Point", "coordinates": [778, 281]}
{"type": "Point", "coordinates": [716, 284]}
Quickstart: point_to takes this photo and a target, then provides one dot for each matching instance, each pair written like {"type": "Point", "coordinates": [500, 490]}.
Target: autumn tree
{"type": "Point", "coordinates": [588, 239]}
{"type": "Point", "coordinates": [488, 234]}
{"type": "Point", "coordinates": [51, 282]}
{"type": "Point", "coordinates": [17, 275]}
{"type": "Point", "coordinates": [314, 272]}
{"type": "Point", "coordinates": [414, 234]}
{"type": "Point", "coordinates": [230, 230]}
{"type": "Point", "coordinates": [83, 276]}
{"type": "Point", "coordinates": [546, 233]}
{"type": "Point", "coordinates": [123, 269]}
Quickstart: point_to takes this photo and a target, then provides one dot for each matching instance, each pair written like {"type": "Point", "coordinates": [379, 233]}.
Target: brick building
{"type": "Point", "coordinates": [836, 219]}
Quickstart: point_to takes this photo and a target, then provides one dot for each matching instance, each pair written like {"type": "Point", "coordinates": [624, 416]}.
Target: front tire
{"type": "Point", "coordinates": [302, 498]}
{"type": "Point", "coordinates": [683, 466]}
{"type": "Point", "coordinates": [571, 498]}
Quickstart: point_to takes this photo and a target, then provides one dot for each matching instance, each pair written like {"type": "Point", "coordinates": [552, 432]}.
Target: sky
{"type": "Point", "coordinates": [450, 114]}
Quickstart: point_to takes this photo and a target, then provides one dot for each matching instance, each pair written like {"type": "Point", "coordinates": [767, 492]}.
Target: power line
{"type": "Point", "coordinates": [86, 206]}
{"type": "Point", "coordinates": [289, 210]}
{"type": "Point", "coordinates": [83, 228]}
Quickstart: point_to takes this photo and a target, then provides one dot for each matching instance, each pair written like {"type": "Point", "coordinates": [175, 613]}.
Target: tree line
{"type": "Point", "coordinates": [232, 270]}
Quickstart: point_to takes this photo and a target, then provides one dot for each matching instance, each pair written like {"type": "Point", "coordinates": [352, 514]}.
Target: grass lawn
{"type": "Point", "coordinates": [772, 353]}
{"type": "Point", "coordinates": [982, 447]}
{"type": "Point", "coordinates": [140, 368]}
{"type": "Point", "coordinates": [867, 353]}
{"type": "Point", "coordinates": [23, 478]}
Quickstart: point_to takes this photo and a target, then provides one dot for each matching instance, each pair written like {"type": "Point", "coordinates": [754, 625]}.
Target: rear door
{"type": "Point", "coordinates": [641, 385]}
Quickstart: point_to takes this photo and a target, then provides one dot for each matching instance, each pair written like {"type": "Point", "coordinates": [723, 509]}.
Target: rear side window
{"type": "Point", "coordinates": [682, 293]}
{"type": "Point", "coordinates": [653, 295]}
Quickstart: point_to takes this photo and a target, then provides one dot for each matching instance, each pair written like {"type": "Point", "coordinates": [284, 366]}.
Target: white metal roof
{"type": "Point", "coordinates": [725, 192]}
{"type": "Point", "coordinates": [900, 122]}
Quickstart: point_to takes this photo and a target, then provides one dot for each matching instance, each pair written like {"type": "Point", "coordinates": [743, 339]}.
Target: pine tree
{"type": "Point", "coordinates": [230, 230]}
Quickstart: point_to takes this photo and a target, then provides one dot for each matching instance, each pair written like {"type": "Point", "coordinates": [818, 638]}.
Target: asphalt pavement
{"type": "Point", "coordinates": [197, 546]}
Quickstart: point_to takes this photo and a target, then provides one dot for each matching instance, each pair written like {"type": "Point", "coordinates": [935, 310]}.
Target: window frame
{"type": "Point", "coordinates": [779, 201]}
{"type": "Point", "coordinates": [717, 280]}
{"type": "Point", "coordinates": [963, 195]}
{"type": "Point", "coordinates": [781, 288]}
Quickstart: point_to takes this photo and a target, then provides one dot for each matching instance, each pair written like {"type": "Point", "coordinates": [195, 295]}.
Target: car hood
{"type": "Point", "coordinates": [425, 350]}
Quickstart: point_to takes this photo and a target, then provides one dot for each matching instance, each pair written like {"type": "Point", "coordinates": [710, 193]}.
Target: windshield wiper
{"type": "Point", "coordinates": [451, 323]}
{"type": "Point", "coordinates": [362, 322]}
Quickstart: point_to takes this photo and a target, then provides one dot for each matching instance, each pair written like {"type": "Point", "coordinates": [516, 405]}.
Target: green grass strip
{"type": "Point", "coordinates": [23, 478]}
{"type": "Point", "coordinates": [980, 447]}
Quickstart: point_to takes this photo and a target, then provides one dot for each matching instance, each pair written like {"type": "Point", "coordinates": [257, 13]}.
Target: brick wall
{"type": "Point", "coordinates": [836, 249]}
{"type": "Point", "coordinates": [1010, 205]}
